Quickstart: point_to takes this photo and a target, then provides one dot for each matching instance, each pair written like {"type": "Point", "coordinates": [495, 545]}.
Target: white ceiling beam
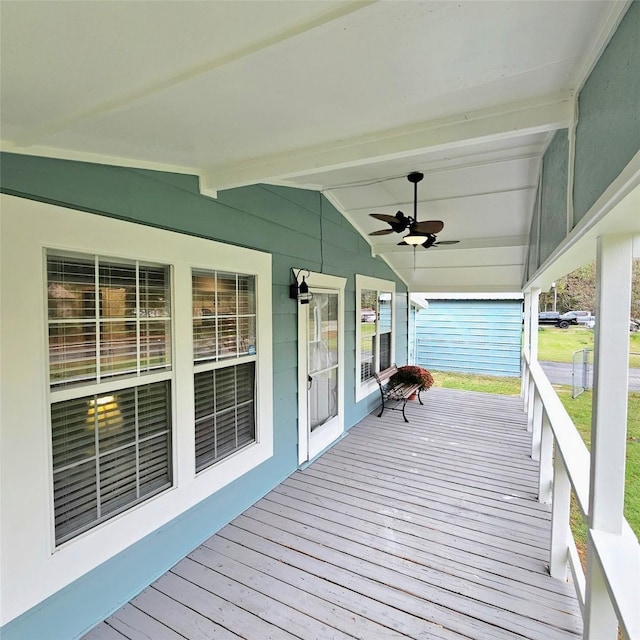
{"type": "Point", "coordinates": [545, 113]}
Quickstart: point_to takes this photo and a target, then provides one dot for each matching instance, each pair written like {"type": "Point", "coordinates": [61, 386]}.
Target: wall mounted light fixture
{"type": "Point", "coordinates": [300, 290]}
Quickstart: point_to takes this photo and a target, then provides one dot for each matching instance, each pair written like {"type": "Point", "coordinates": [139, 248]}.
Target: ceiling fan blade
{"type": "Point", "coordinates": [384, 217]}
{"type": "Point", "coordinates": [403, 244]}
{"type": "Point", "coordinates": [381, 232]}
{"type": "Point", "coordinates": [428, 226]}
{"type": "Point", "coordinates": [448, 242]}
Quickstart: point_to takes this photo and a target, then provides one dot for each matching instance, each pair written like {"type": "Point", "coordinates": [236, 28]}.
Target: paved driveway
{"type": "Point", "coordinates": [560, 373]}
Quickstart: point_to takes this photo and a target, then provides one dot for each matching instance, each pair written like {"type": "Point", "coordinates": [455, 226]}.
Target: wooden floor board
{"type": "Point", "coordinates": [106, 632]}
{"type": "Point", "coordinates": [418, 554]}
{"type": "Point", "coordinates": [440, 544]}
{"type": "Point", "coordinates": [386, 567]}
{"type": "Point", "coordinates": [425, 530]}
{"type": "Point", "coordinates": [135, 624]}
{"type": "Point", "coordinates": [497, 535]}
{"type": "Point", "coordinates": [403, 605]}
{"type": "Point", "coordinates": [416, 483]}
{"type": "Point", "coordinates": [449, 466]}
{"type": "Point", "coordinates": [400, 494]}
{"type": "Point", "coordinates": [258, 598]}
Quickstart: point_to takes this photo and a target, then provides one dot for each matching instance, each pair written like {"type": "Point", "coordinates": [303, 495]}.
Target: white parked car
{"type": "Point", "coordinates": [633, 325]}
{"type": "Point", "coordinates": [584, 317]}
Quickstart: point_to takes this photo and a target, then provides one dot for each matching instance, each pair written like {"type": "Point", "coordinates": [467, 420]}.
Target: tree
{"type": "Point", "coordinates": [577, 290]}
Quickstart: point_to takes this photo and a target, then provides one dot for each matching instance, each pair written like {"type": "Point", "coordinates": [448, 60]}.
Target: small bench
{"type": "Point", "coordinates": [396, 394]}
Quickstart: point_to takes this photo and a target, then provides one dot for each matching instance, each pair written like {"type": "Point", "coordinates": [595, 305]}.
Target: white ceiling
{"type": "Point", "coordinates": [344, 97]}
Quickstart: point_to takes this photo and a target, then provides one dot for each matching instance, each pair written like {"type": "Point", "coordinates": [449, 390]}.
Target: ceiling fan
{"type": "Point", "coordinates": [420, 233]}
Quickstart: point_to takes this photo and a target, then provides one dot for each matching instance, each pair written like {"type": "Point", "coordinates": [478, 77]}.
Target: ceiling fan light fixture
{"type": "Point", "coordinates": [415, 238]}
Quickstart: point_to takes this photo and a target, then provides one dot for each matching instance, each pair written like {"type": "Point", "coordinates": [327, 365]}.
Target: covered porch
{"type": "Point", "coordinates": [431, 529]}
{"type": "Point", "coordinates": [242, 142]}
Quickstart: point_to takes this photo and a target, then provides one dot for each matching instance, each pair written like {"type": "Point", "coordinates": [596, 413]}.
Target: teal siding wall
{"type": "Point", "coordinates": [300, 229]}
{"type": "Point", "coordinates": [470, 336]}
{"type": "Point", "coordinates": [608, 132]}
{"type": "Point", "coordinates": [607, 137]}
{"type": "Point", "coordinates": [553, 206]}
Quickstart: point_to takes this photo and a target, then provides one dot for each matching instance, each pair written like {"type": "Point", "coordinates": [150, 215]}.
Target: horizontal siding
{"type": "Point", "coordinates": [479, 336]}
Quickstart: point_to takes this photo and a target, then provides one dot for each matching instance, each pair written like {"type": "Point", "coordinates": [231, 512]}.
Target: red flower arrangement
{"type": "Point", "coordinates": [410, 374]}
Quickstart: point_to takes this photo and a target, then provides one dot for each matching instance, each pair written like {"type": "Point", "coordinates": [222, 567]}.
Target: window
{"type": "Point", "coordinates": [224, 352]}
{"type": "Point", "coordinates": [375, 331]}
{"type": "Point", "coordinates": [106, 318]}
{"type": "Point", "coordinates": [110, 378]}
{"type": "Point", "coordinates": [99, 352]}
{"type": "Point", "coordinates": [224, 315]}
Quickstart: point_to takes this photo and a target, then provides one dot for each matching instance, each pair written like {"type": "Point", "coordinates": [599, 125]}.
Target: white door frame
{"type": "Point", "coordinates": [308, 449]}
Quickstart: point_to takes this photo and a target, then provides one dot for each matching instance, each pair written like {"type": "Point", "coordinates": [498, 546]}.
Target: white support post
{"type": "Point", "coordinates": [609, 420]}
{"type": "Point", "coordinates": [610, 383]}
{"type": "Point", "coordinates": [560, 509]}
{"type": "Point", "coordinates": [536, 425]}
{"type": "Point", "coordinates": [545, 472]}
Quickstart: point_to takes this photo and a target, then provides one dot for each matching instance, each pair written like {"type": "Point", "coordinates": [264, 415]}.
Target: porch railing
{"type": "Point", "coordinates": [613, 561]}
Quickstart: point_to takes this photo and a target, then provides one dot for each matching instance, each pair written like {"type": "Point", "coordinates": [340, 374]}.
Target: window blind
{"type": "Point", "coordinates": [224, 412]}
{"type": "Point", "coordinates": [109, 452]}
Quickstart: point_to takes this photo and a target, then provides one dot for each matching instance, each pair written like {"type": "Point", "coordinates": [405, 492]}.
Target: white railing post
{"type": "Point", "coordinates": [526, 338]}
{"type": "Point", "coordinates": [560, 509]}
{"type": "Point", "coordinates": [545, 472]}
{"type": "Point", "coordinates": [600, 619]}
{"type": "Point", "coordinates": [609, 420]}
{"type": "Point", "coordinates": [532, 352]}
{"type": "Point", "coordinates": [530, 402]}
{"type": "Point", "coordinates": [533, 321]}
{"type": "Point", "coordinates": [524, 384]}
{"type": "Point", "coordinates": [536, 425]}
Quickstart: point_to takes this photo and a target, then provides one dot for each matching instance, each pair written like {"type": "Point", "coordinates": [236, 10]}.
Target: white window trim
{"type": "Point", "coordinates": [368, 387]}
{"type": "Point", "coordinates": [32, 565]}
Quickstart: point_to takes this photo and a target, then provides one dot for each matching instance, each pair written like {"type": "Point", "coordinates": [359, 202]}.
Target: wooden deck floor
{"type": "Point", "coordinates": [426, 530]}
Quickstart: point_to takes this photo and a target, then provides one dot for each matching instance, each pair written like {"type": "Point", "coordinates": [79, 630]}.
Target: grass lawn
{"type": "Point", "coordinates": [558, 345]}
{"type": "Point", "coordinates": [470, 382]}
{"type": "Point", "coordinates": [580, 411]}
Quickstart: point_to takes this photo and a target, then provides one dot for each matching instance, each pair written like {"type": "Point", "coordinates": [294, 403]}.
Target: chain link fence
{"type": "Point", "coordinates": [581, 371]}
